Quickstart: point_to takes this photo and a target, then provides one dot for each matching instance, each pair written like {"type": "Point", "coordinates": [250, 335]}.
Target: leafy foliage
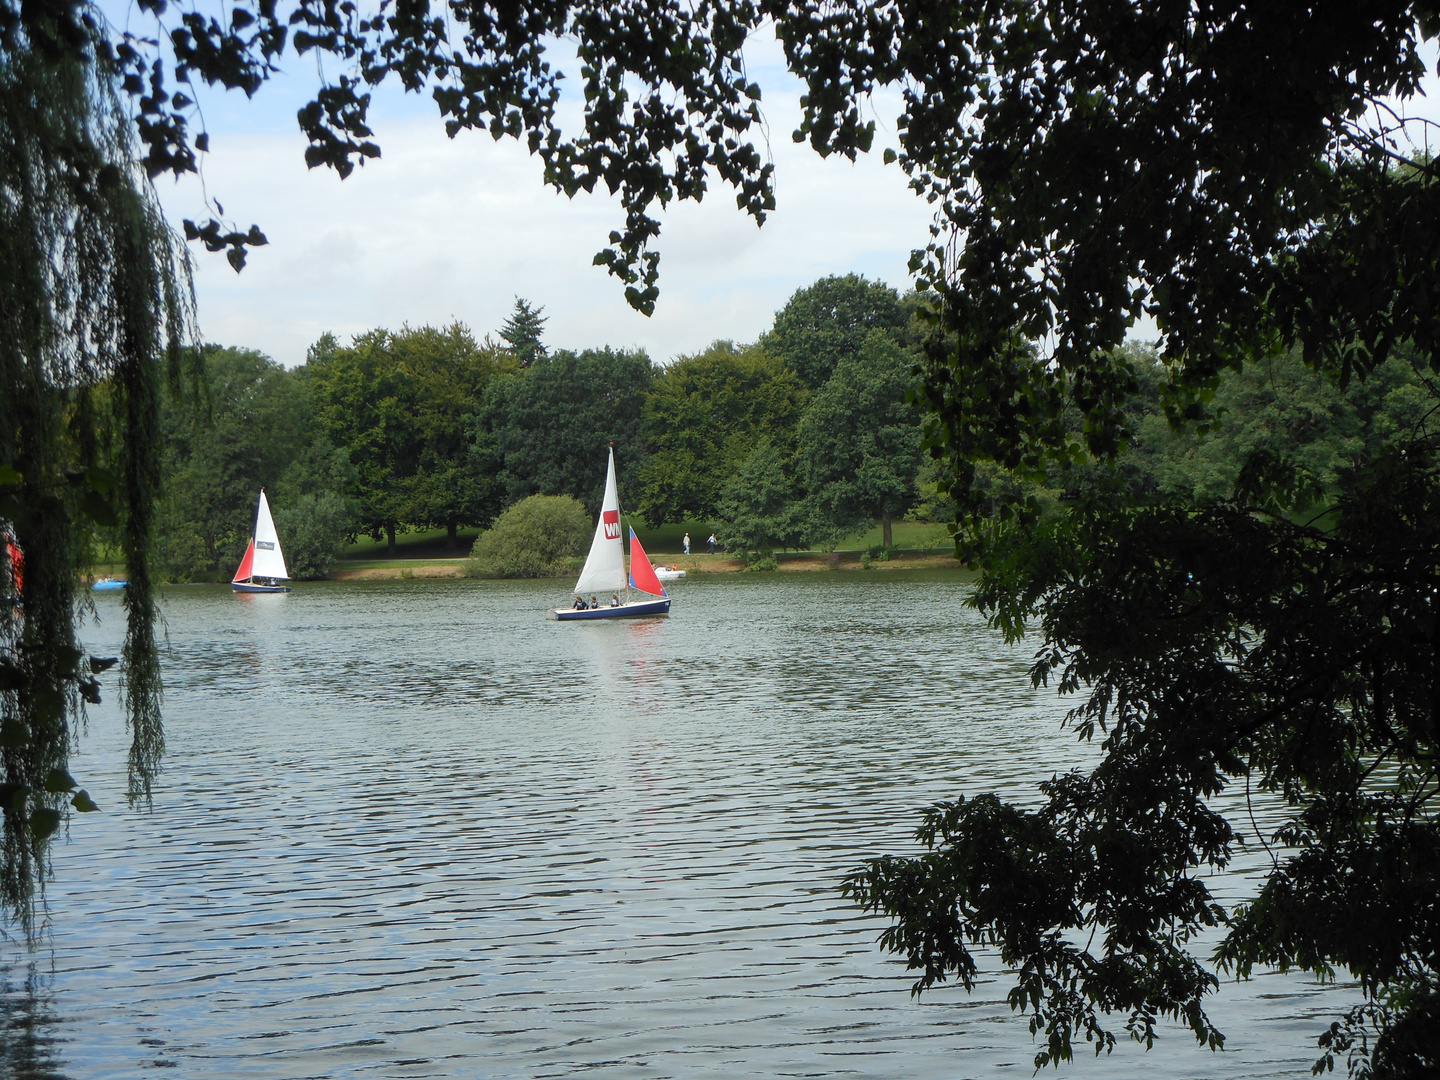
{"type": "Point", "coordinates": [666, 101]}
{"type": "Point", "coordinates": [251, 426]}
{"type": "Point", "coordinates": [532, 539]}
{"type": "Point", "coordinates": [830, 321]}
{"type": "Point", "coordinates": [543, 430]}
{"type": "Point", "coordinates": [763, 509]}
{"type": "Point", "coordinates": [314, 529]}
{"type": "Point", "coordinates": [859, 442]}
{"type": "Point", "coordinates": [703, 415]}
{"type": "Point", "coordinates": [94, 315]}
{"type": "Point", "coordinates": [400, 405]}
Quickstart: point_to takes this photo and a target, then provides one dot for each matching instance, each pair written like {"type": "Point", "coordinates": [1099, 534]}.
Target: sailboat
{"type": "Point", "coordinates": [263, 567]}
{"type": "Point", "coordinates": [604, 576]}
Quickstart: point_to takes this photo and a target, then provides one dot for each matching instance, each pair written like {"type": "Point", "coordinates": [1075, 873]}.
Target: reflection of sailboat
{"type": "Point", "coordinates": [604, 577]}
{"type": "Point", "coordinates": [263, 567]}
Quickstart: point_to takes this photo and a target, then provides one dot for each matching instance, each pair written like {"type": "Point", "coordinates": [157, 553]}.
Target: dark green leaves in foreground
{"type": "Point", "coordinates": [1220, 652]}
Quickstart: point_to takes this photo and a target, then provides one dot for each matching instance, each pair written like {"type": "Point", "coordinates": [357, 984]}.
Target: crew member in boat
{"type": "Point", "coordinates": [580, 604]}
{"type": "Point", "coordinates": [614, 599]}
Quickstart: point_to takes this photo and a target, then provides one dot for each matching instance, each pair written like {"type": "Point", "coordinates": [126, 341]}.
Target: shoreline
{"type": "Point", "coordinates": [697, 565]}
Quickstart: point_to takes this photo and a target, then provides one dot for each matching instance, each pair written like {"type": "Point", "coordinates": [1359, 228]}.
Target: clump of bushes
{"type": "Point", "coordinates": [534, 538]}
{"type": "Point", "coordinates": [313, 531]}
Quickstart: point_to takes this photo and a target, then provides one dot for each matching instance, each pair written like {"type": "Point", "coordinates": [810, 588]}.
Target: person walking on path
{"type": "Point", "coordinates": [712, 543]}
{"type": "Point", "coordinates": [687, 543]}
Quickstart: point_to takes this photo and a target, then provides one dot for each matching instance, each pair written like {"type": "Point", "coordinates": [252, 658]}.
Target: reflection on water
{"type": "Point", "coordinates": [414, 829]}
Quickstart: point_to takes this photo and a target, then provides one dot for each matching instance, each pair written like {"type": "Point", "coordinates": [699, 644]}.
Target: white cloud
{"type": "Point", "coordinates": [440, 229]}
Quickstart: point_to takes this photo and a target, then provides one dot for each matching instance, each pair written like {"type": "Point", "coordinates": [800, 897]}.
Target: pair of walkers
{"type": "Point", "coordinates": [711, 542]}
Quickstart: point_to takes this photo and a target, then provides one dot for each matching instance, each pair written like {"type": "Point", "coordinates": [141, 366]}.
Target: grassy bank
{"type": "Point", "coordinates": [857, 560]}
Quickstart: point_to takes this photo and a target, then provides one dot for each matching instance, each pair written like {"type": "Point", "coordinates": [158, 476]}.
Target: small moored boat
{"type": "Point", "coordinates": [669, 573]}
{"type": "Point", "coordinates": [109, 584]}
{"type": "Point", "coordinates": [263, 567]}
{"type": "Point", "coordinates": [604, 578]}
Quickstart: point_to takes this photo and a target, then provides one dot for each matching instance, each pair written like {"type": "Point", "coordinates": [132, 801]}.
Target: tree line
{"type": "Point", "coordinates": [803, 435]}
{"type": "Point", "coordinates": [790, 442]}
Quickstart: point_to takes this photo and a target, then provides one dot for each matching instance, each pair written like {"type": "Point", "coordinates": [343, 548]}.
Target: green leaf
{"type": "Point", "coordinates": [101, 480]}
{"type": "Point", "coordinates": [9, 475]}
{"type": "Point", "coordinates": [58, 780]}
{"type": "Point", "coordinates": [98, 509]}
{"type": "Point", "coordinates": [44, 822]}
{"type": "Point", "coordinates": [83, 802]}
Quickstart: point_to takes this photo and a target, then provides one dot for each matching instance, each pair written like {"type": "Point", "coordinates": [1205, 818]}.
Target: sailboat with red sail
{"type": "Point", "coordinates": [263, 567]}
{"type": "Point", "coordinates": [605, 590]}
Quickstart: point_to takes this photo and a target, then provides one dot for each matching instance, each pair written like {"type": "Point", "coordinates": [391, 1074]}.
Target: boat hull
{"type": "Point", "coordinates": [660, 606]}
{"type": "Point", "coordinates": [670, 575]}
{"type": "Point", "coordinates": [109, 586]}
{"type": "Point", "coordinates": [246, 587]}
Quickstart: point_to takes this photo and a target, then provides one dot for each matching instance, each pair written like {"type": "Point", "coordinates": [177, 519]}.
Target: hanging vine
{"type": "Point", "coordinates": [95, 310]}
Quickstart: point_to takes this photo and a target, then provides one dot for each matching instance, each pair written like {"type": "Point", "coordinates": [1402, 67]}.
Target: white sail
{"type": "Point", "coordinates": [269, 561]}
{"type": "Point", "coordinates": [605, 565]}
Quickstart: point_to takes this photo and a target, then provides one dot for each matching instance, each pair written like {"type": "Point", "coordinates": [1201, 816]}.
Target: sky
{"type": "Point", "coordinates": [438, 230]}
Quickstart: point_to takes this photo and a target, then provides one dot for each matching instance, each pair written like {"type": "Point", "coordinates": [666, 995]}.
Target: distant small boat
{"type": "Point", "coordinates": [109, 584]}
{"type": "Point", "coordinates": [263, 567]}
{"type": "Point", "coordinates": [604, 577]}
{"type": "Point", "coordinates": [669, 573]}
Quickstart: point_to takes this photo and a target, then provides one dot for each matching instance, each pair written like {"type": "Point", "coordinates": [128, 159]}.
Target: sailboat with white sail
{"type": "Point", "coordinates": [263, 567]}
{"type": "Point", "coordinates": [611, 592]}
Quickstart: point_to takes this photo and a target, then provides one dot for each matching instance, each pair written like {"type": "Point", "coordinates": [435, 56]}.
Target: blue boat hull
{"type": "Point", "coordinates": [242, 586]}
{"type": "Point", "coordinates": [109, 586]}
{"type": "Point", "coordinates": [624, 611]}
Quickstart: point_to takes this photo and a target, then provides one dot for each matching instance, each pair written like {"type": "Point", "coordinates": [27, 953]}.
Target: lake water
{"type": "Point", "coordinates": [413, 829]}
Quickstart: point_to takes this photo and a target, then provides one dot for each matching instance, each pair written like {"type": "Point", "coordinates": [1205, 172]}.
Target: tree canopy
{"type": "Point", "coordinates": [829, 321]}
{"type": "Point", "coordinates": [703, 416]}
{"type": "Point", "coordinates": [859, 442]}
{"type": "Point", "coordinates": [543, 430]}
{"type": "Point", "coordinates": [400, 404]}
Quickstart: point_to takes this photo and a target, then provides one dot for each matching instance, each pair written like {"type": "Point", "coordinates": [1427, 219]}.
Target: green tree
{"type": "Point", "coordinates": [521, 332]}
{"type": "Point", "coordinates": [401, 405]}
{"type": "Point", "coordinates": [859, 442]}
{"type": "Point", "coordinates": [1082, 183]}
{"type": "Point", "coordinates": [532, 539]}
{"type": "Point", "coordinates": [829, 321]}
{"type": "Point", "coordinates": [703, 416]}
{"type": "Point", "coordinates": [313, 530]}
{"type": "Point", "coordinates": [763, 508]}
{"type": "Point", "coordinates": [243, 432]}
{"type": "Point", "coordinates": [543, 430]}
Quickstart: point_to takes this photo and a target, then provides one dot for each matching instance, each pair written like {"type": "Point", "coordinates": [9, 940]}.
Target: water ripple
{"type": "Point", "coordinates": [414, 830]}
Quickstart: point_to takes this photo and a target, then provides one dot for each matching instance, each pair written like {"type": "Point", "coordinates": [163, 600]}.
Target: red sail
{"type": "Point", "coordinates": [246, 564]}
{"type": "Point", "coordinates": [642, 574]}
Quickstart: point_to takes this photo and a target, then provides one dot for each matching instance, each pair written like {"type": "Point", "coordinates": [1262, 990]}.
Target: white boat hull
{"type": "Point", "coordinates": [666, 574]}
{"type": "Point", "coordinates": [658, 606]}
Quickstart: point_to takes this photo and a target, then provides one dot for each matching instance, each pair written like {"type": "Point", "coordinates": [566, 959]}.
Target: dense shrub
{"type": "Point", "coordinates": [312, 529]}
{"type": "Point", "coordinates": [534, 538]}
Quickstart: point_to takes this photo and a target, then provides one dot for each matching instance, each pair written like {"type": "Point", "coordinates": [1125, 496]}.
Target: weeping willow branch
{"type": "Point", "coordinates": [95, 311]}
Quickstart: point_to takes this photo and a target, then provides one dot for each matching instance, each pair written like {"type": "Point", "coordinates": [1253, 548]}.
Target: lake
{"type": "Point", "coordinates": [414, 829]}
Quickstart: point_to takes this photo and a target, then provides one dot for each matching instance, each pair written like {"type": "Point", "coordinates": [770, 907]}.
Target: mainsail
{"type": "Point", "coordinates": [269, 561]}
{"type": "Point", "coordinates": [263, 558]}
{"type": "Point", "coordinates": [604, 570]}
